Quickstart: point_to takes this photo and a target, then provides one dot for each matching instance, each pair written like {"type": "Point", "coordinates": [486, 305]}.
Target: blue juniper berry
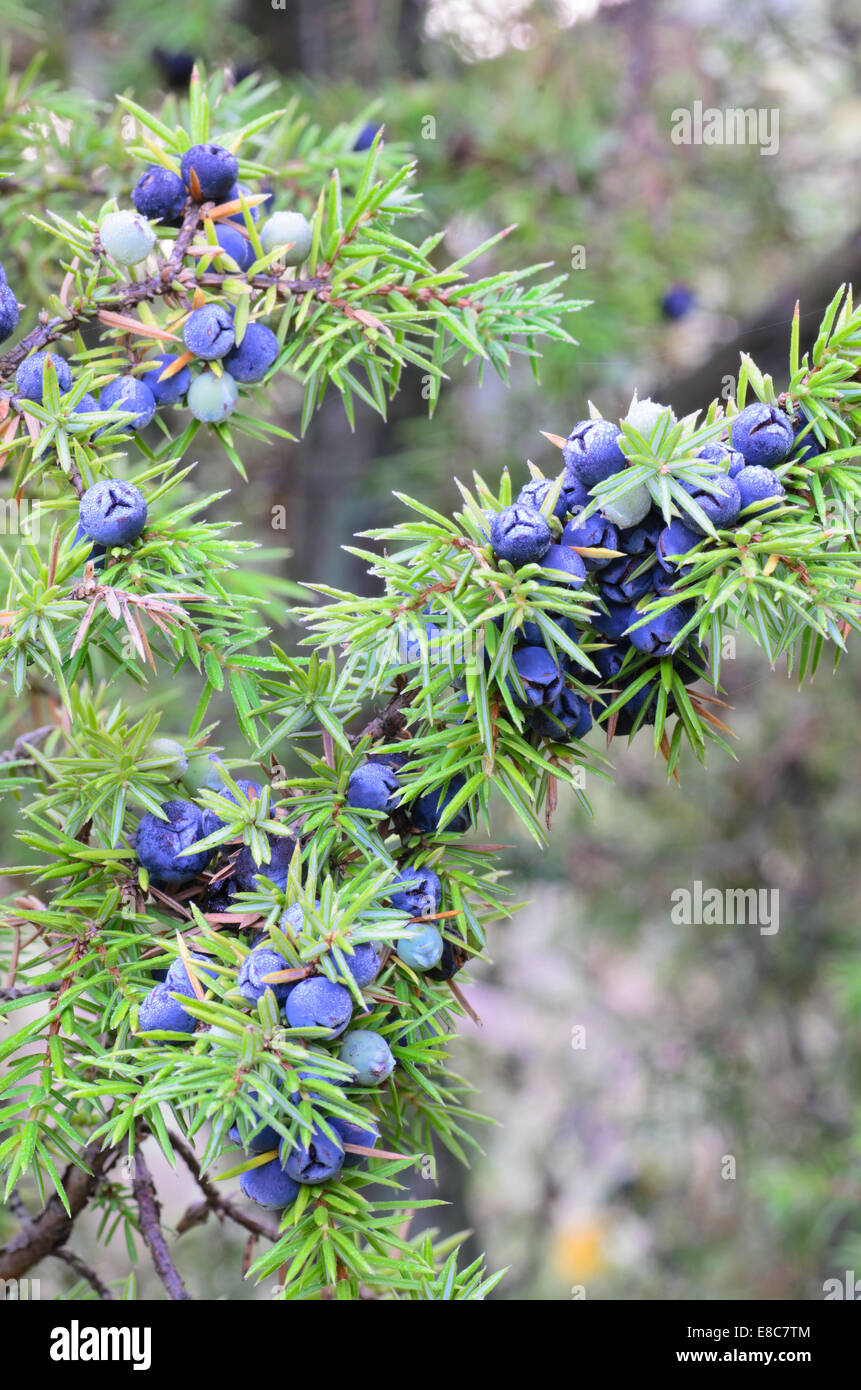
{"type": "Point", "coordinates": [29, 378]}
{"type": "Point", "coordinates": [427, 810]}
{"type": "Point", "coordinates": [520, 534]}
{"type": "Point", "coordinates": [592, 451]}
{"type": "Point", "coordinates": [373, 787]}
{"type": "Point", "coordinates": [129, 395]}
{"type": "Point", "coordinates": [215, 169]}
{"type": "Point", "coordinates": [595, 533]}
{"type": "Point", "coordinates": [717, 495]}
{"type": "Point", "coordinates": [208, 331]}
{"type": "Point", "coordinates": [251, 359]}
{"type": "Point", "coordinates": [762, 433]}
{"type": "Point", "coordinates": [319, 1003]}
{"type": "Point", "coordinates": [159, 844]}
{"type": "Point", "coordinates": [112, 512]}
{"type": "Point", "coordinates": [419, 894]}
{"type": "Point", "coordinates": [160, 193]}
{"type": "Point", "coordinates": [757, 484]}
{"type": "Point", "coordinates": [315, 1161]}
{"type": "Point", "coordinates": [269, 1185]}
{"type": "Point", "coordinates": [168, 390]}
{"type": "Point", "coordinates": [656, 635]}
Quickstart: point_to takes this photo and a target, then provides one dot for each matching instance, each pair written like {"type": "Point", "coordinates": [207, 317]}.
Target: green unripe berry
{"type": "Point", "coordinates": [169, 748]}
{"type": "Point", "coordinates": [422, 951]}
{"type": "Point", "coordinates": [284, 227]}
{"type": "Point", "coordinates": [126, 237]}
{"type": "Point", "coordinates": [211, 398]}
{"type": "Point", "coordinates": [203, 771]}
{"type": "Point", "coordinates": [628, 510]}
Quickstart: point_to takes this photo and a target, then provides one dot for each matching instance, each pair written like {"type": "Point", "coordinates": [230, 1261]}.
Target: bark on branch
{"type": "Point", "coordinates": [48, 1232]}
{"type": "Point", "coordinates": [149, 1211]}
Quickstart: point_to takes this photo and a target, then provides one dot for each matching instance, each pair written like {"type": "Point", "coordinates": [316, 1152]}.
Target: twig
{"type": "Point", "coordinates": [389, 722]}
{"type": "Point", "coordinates": [24, 992]}
{"type": "Point", "coordinates": [150, 1218]}
{"type": "Point", "coordinates": [165, 281]}
{"type": "Point", "coordinates": [83, 1271]}
{"type": "Point", "coordinates": [50, 1230]}
{"type": "Point", "coordinates": [214, 1200]}
{"type": "Point", "coordinates": [19, 747]}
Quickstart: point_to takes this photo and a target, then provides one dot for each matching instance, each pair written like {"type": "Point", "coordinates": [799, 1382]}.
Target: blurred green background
{"type": "Point", "coordinates": [676, 1107]}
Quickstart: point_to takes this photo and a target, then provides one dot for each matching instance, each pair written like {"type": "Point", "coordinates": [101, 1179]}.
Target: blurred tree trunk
{"type": "Point", "coordinates": [766, 335]}
{"type": "Point", "coordinates": [368, 40]}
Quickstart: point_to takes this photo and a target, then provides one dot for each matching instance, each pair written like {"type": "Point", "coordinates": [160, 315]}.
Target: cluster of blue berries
{"type": "Point", "coordinates": [313, 999]}
{"type": "Point", "coordinates": [114, 513]}
{"type": "Point", "coordinates": [628, 555]}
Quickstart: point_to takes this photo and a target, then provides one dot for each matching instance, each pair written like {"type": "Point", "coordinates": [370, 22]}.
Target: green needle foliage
{"type": "Point", "coordinates": [83, 1087]}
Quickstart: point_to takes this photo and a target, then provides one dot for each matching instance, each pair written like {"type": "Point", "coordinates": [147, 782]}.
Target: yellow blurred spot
{"type": "Point", "coordinates": [578, 1250]}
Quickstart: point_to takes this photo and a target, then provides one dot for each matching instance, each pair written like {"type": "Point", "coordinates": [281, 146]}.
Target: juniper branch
{"type": "Point", "coordinates": [83, 1271]}
{"type": "Point", "coordinates": [50, 1229]}
{"type": "Point", "coordinates": [149, 1210]}
{"type": "Point", "coordinates": [222, 1206]}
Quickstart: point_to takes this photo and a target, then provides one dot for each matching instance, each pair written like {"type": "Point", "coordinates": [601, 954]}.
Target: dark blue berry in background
{"type": "Point", "coordinates": [568, 716]}
{"type": "Point", "coordinates": [640, 539]}
{"type": "Point", "coordinates": [419, 892]}
{"type": "Point", "coordinates": [656, 635]}
{"type": "Point", "coordinates": [595, 533]}
{"type": "Point", "coordinates": [319, 1159]}
{"type": "Point", "coordinates": [177, 978]}
{"type": "Point", "coordinates": [373, 787]}
{"type": "Point", "coordinates": [366, 136]}
{"type": "Point", "coordinates": [675, 540]}
{"type": "Point", "coordinates": [176, 68]}
{"type": "Point", "coordinates": [757, 484]}
{"type": "Point", "coordinates": [159, 1012]}
{"type": "Point", "coordinates": [540, 677]}
{"type": "Point", "coordinates": [264, 1139]}
{"type": "Point", "coordinates": [269, 1186]}
{"type": "Point", "coordinates": [534, 493]}
{"type": "Point", "coordinates": [426, 810]}
{"type": "Point", "coordinates": [614, 622]}
{"type": "Point", "coordinates": [625, 580]}
{"type": "Point", "coordinates": [242, 190]}
{"type": "Point", "coordinates": [247, 871]}
{"type": "Point", "coordinates": [363, 964]}
{"type": "Point", "coordinates": [575, 491]}
{"type": "Point", "coordinates": [351, 1133]}
{"type": "Point", "coordinates": [564, 566]}
{"type": "Point", "coordinates": [237, 246]}
{"type": "Point", "coordinates": [262, 961]}
{"type": "Point", "coordinates": [810, 446]}
{"type": "Point", "coordinates": [678, 302]}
